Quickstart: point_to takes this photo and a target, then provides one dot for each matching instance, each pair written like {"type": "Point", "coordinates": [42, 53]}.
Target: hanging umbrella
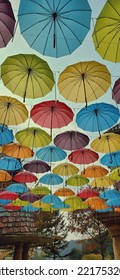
{"type": "Point", "coordinates": [29, 197]}
{"type": "Point", "coordinates": [33, 137]}
{"type": "Point", "coordinates": [65, 169]}
{"type": "Point", "coordinates": [83, 156]}
{"type": "Point", "coordinates": [5, 176]}
{"type": "Point", "coordinates": [110, 194]}
{"type": "Point", "coordinates": [86, 193]}
{"type": "Point", "coordinates": [19, 202]}
{"type": "Point", "coordinates": [11, 207]}
{"type": "Point", "coordinates": [97, 117]}
{"type": "Point", "coordinates": [25, 177]}
{"type": "Point", "coordinates": [109, 142]}
{"type": "Point", "coordinates": [8, 195]}
{"type": "Point", "coordinates": [6, 135]}
{"type": "Point", "coordinates": [95, 201]}
{"type": "Point", "coordinates": [27, 75]}
{"type": "Point", "coordinates": [36, 166]}
{"type": "Point", "coordinates": [7, 22]}
{"type": "Point", "coordinates": [111, 159]}
{"type": "Point", "coordinates": [75, 203]}
{"type": "Point", "coordinates": [30, 208]}
{"type": "Point", "coordinates": [116, 91]}
{"type": "Point", "coordinates": [61, 206]}
{"type": "Point", "coordinates": [113, 202]}
{"type": "Point", "coordinates": [106, 32]}
{"type": "Point", "coordinates": [84, 81]}
{"type": "Point", "coordinates": [52, 114]}
{"type": "Point", "coordinates": [54, 28]}
{"type": "Point", "coordinates": [51, 179]}
{"type": "Point", "coordinates": [40, 190]}
{"type": "Point", "coordinates": [76, 181]}
{"type": "Point", "coordinates": [64, 192]}
{"type": "Point", "coordinates": [17, 150]}
{"type": "Point", "coordinates": [102, 182]}
{"type": "Point", "coordinates": [117, 185]}
{"type": "Point", "coordinates": [51, 154]}
{"type": "Point", "coordinates": [10, 164]}
{"type": "Point", "coordinates": [12, 111]}
{"type": "Point", "coordinates": [71, 140]}
{"type": "Point", "coordinates": [94, 171]}
{"type": "Point", "coordinates": [18, 188]}
{"type": "Point", "coordinates": [115, 174]}
{"type": "Point", "coordinates": [4, 202]}
{"type": "Point", "coordinates": [50, 198]}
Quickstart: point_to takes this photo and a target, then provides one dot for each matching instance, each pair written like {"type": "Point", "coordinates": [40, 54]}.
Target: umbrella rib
{"type": "Point", "coordinates": [114, 8]}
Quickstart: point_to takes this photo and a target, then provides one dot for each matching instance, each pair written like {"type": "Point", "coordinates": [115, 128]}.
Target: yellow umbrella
{"type": "Point", "coordinates": [115, 174]}
{"type": "Point", "coordinates": [106, 34]}
{"type": "Point", "coordinates": [65, 169]}
{"type": "Point", "coordinates": [77, 181]}
{"type": "Point", "coordinates": [75, 203]}
{"type": "Point", "coordinates": [84, 81]}
{"type": "Point", "coordinates": [19, 202]}
{"type": "Point", "coordinates": [107, 143]}
{"type": "Point", "coordinates": [17, 150]}
{"type": "Point", "coordinates": [40, 190]}
{"type": "Point", "coordinates": [94, 171]}
{"type": "Point", "coordinates": [44, 206]}
{"type": "Point", "coordinates": [102, 182]}
{"type": "Point", "coordinates": [12, 111]}
{"type": "Point", "coordinates": [33, 137]}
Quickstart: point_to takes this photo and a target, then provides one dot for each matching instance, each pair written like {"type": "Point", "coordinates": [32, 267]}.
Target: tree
{"type": "Point", "coordinates": [87, 224]}
{"type": "Point", "coordinates": [53, 225]}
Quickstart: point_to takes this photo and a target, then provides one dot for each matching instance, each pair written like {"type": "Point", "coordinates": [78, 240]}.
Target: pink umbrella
{"type": "Point", "coordinates": [116, 91]}
{"type": "Point", "coordinates": [37, 166]}
{"type": "Point", "coordinates": [25, 177]}
{"type": "Point", "coordinates": [71, 140]}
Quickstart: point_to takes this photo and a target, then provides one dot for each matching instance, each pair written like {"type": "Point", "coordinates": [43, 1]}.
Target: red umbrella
{"type": "Point", "coordinates": [51, 114]}
{"type": "Point", "coordinates": [29, 197]}
{"type": "Point", "coordinates": [83, 156]}
{"type": "Point", "coordinates": [71, 140]}
{"type": "Point", "coordinates": [86, 193]}
{"type": "Point", "coordinates": [7, 22]}
{"type": "Point", "coordinates": [9, 206]}
{"type": "Point", "coordinates": [37, 166]}
{"type": "Point", "coordinates": [116, 91]}
{"type": "Point", "coordinates": [8, 195]}
{"type": "Point", "coordinates": [25, 177]}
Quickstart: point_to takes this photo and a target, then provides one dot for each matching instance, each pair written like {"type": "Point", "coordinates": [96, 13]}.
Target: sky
{"type": "Point", "coordinates": [85, 52]}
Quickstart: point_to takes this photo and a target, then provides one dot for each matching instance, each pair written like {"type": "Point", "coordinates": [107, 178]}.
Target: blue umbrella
{"type": "Point", "coordinates": [10, 164]}
{"type": "Point", "coordinates": [4, 201]}
{"type": "Point", "coordinates": [54, 28]}
{"type": "Point", "coordinates": [30, 208]}
{"type": "Point", "coordinates": [51, 199]}
{"type": "Point", "coordinates": [6, 135]}
{"type": "Point", "coordinates": [60, 205]}
{"type": "Point", "coordinates": [104, 210]}
{"type": "Point", "coordinates": [110, 194]}
{"type": "Point", "coordinates": [51, 154]}
{"type": "Point", "coordinates": [113, 202]}
{"type": "Point", "coordinates": [18, 188]}
{"type": "Point", "coordinates": [111, 159]}
{"type": "Point", "coordinates": [51, 179]}
{"type": "Point", "coordinates": [97, 117]}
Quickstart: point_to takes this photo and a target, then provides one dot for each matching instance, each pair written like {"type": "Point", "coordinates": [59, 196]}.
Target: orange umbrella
{"type": "Point", "coordinates": [17, 150]}
{"type": "Point", "coordinates": [94, 171]}
{"type": "Point", "coordinates": [4, 176]}
{"type": "Point", "coordinates": [96, 203]}
{"type": "Point", "coordinates": [64, 192]}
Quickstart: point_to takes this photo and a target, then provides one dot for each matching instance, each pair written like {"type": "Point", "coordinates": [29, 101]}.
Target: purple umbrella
{"type": "Point", "coordinates": [7, 22]}
{"type": "Point", "coordinates": [71, 140]}
{"type": "Point", "coordinates": [117, 185]}
{"type": "Point", "coordinates": [37, 166]}
{"type": "Point", "coordinates": [116, 91]}
{"type": "Point", "coordinates": [29, 197]}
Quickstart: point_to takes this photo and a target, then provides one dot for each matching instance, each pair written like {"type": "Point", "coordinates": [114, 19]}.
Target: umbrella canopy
{"type": "Point", "coordinates": [10, 164]}
{"type": "Point", "coordinates": [50, 198]}
{"type": "Point", "coordinates": [110, 194]}
{"type": "Point", "coordinates": [11, 207]}
{"type": "Point", "coordinates": [94, 171]}
{"type": "Point", "coordinates": [51, 154]}
{"type": "Point", "coordinates": [7, 22]}
{"type": "Point", "coordinates": [75, 203]}
{"type": "Point", "coordinates": [54, 28]}
{"type": "Point", "coordinates": [33, 137]}
{"type": "Point", "coordinates": [109, 142]}
{"type": "Point", "coordinates": [97, 117]}
{"type": "Point", "coordinates": [64, 192]}
{"type": "Point", "coordinates": [51, 114]}
{"type": "Point", "coordinates": [117, 185]}
{"type": "Point", "coordinates": [40, 190]}
{"type": "Point", "coordinates": [8, 195]}
{"type": "Point", "coordinates": [51, 179]}
{"type": "Point", "coordinates": [25, 177]}
{"type": "Point", "coordinates": [96, 202]}
{"type": "Point", "coordinates": [102, 182]}
{"type": "Point", "coordinates": [77, 181]}
{"type": "Point", "coordinates": [111, 159]}
{"type": "Point", "coordinates": [114, 202]}
{"type": "Point", "coordinates": [5, 176]}
{"type": "Point", "coordinates": [71, 140]}
{"type": "Point", "coordinates": [12, 111]}
{"type": "Point", "coordinates": [4, 202]}
{"type": "Point", "coordinates": [86, 193]}
{"type": "Point", "coordinates": [116, 91]}
{"type": "Point", "coordinates": [65, 169]}
{"type": "Point", "coordinates": [115, 174]}
{"type": "Point", "coordinates": [37, 166]}
{"type": "Point", "coordinates": [84, 81]}
{"type": "Point", "coordinates": [27, 75]}
{"type": "Point", "coordinates": [29, 197]}
{"type": "Point", "coordinates": [19, 202]}
{"type": "Point", "coordinates": [30, 208]}
{"type": "Point", "coordinates": [83, 156]}
{"type": "Point", "coordinates": [6, 135]}
{"type": "Point", "coordinates": [17, 150]}
{"type": "Point", "coordinates": [18, 188]}
{"type": "Point", "coordinates": [106, 32]}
